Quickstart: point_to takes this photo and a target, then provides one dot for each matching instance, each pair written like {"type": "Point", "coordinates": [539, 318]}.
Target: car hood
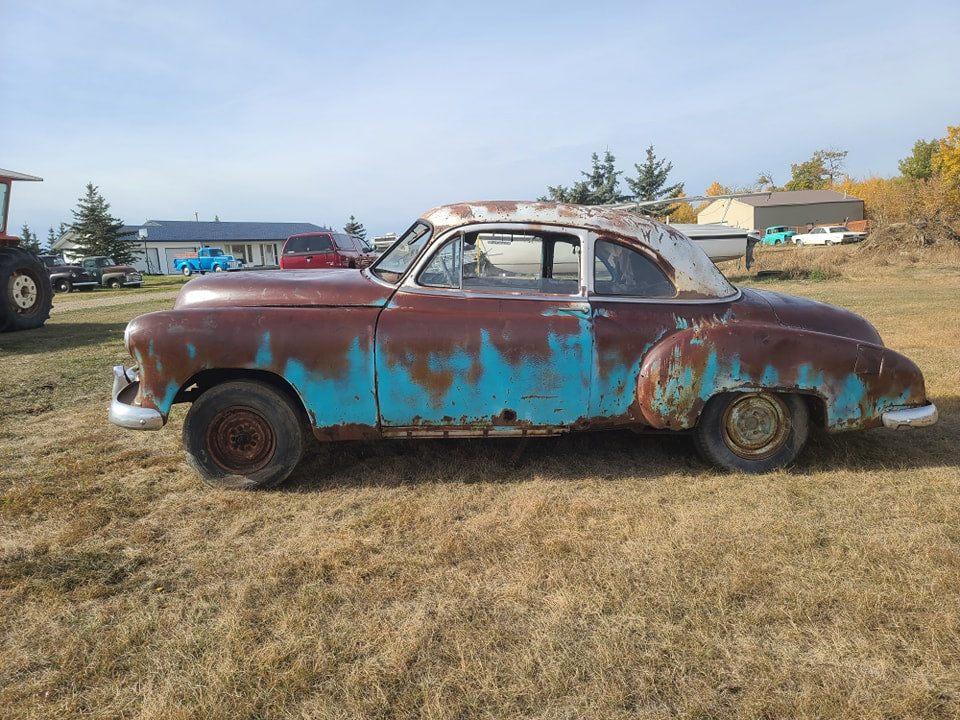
{"type": "Point", "coordinates": [286, 288]}
{"type": "Point", "coordinates": [814, 316]}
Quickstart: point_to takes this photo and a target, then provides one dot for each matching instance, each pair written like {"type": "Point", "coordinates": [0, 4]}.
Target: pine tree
{"type": "Point", "coordinates": [28, 240]}
{"type": "Point", "coordinates": [54, 235]}
{"type": "Point", "coordinates": [355, 228]}
{"type": "Point", "coordinates": [601, 187]}
{"type": "Point", "coordinates": [651, 184]}
{"type": "Point", "coordinates": [98, 232]}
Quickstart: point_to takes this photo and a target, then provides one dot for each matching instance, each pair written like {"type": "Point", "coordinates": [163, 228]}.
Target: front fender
{"type": "Point", "coordinates": [323, 354]}
{"type": "Point", "coordinates": [856, 381]}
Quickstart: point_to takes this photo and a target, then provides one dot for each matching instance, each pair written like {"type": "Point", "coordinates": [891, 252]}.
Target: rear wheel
{"type": "Point", "coordinates": [243, 435]}
{"type": "Point", "coordinates": [752, 432]}
{"type": "Point", "coordinates": [25, 291]}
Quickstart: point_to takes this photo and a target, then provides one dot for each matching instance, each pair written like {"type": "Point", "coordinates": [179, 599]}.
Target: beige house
{"type": "Point", "coordinates": [795, 208]}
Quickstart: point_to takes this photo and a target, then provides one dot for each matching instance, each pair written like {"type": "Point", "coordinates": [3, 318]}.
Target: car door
{"type": "Point", "coordinates": [635, 305]}
{"type": "Point", "coordinates": [490, 334]}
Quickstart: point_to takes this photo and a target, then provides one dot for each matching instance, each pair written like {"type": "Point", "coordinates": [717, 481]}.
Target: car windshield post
{"type": "Point", "coordinates": [394, 263]}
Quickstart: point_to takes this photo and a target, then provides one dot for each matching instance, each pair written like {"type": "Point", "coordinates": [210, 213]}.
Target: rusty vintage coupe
{"type": "Point", "coordinates": [507, 319]}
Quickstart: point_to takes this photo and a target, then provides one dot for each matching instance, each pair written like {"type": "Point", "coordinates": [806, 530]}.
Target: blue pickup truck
{"type": "Point", "coordinates": [205, 260]}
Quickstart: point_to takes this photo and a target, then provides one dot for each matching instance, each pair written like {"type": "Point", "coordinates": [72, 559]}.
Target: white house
{"type": "Point", "coordinates": [256, 244]}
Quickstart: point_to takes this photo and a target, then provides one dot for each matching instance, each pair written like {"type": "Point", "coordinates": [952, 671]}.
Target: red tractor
{"type": "Point", "coordinates": [25, 290]}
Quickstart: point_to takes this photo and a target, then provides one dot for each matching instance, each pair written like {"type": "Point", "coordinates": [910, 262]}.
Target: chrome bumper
{"type": "Point", "coordinates": [122, 410]}
{"type": "Point", "coordinates": [923, 416]}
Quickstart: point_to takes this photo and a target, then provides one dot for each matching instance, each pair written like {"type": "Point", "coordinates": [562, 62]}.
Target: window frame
{"type": "Point", "coordinates": [412, 282]}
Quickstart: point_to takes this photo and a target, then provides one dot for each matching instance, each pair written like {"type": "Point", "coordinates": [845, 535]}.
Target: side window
{"type": "Point", "coordinates": [507, 262]}
{"type": "Point", "coordinates": [446, 267]}
{"type": "Point", "coordinates": [620, 270]}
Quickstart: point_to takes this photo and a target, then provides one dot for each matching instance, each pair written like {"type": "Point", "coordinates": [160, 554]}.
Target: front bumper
{"type": "Point", "coordinates": [922, 416]}
{"type": "Point", "coordinates": [123, 412]}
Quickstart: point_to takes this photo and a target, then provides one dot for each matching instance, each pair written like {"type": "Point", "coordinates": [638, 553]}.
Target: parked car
{"type": "Point", "coordinates": [109, 274]}
{"type": "Point", "coordinates": [65, 277]}
{"type": "Point", "coordinates": [439, 338]}
{"type": "Point", "coordinates": [205, 260]}
{"type": "Point", "coordinates": [326, 249]}
{"type": "Point", "coordinates": [829, 235]}
{"type": "Point", "coordinates": [777, 234]}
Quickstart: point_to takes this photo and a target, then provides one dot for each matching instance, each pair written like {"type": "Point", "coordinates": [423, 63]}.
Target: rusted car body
{"type": "Point", "coordinates": [621, 322]}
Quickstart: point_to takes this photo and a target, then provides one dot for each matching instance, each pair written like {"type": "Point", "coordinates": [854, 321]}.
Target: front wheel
{"type": "Point", "coordinates": [186, 271]}
{"type": "Point", "coordinates": [26, 294]}
{"type": "Point", "coordinates": [218, 268]}
{"type": "Point", "coordinates": [752, 432]}
{"type": "Point", "coordinates": [243, 435]}
{"type": "Point", "coordinates": [63, 285]}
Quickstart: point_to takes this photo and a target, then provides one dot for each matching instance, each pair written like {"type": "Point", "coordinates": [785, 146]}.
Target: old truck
{"type": "Point", "coordinates": [65, 277]}
{"type": "Point", "coordinates": [777, 234]}
{"type": "Point", "coordinates": [25, 292]}
{"type": "Point", "coordinates": [205, 260]}
{"type": "Point", "coordinates": [109, 274]}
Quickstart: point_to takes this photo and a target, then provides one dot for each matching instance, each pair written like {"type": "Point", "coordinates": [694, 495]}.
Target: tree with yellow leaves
{"type": "Point", "coordinates": [946, 159]}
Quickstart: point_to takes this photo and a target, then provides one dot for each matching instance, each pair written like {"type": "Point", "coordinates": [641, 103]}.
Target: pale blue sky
{"type": "Point", "coordinates": [313, 111]}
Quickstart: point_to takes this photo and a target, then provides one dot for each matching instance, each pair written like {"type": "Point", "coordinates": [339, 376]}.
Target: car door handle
{"type": "Point", "coordinates": [578, 310]}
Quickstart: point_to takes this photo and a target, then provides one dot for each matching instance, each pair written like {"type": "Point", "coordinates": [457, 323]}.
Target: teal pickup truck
{"type": "Point", "coordinates": [205, 260]}
{"type": "Point", "coordinates": [778, 234]}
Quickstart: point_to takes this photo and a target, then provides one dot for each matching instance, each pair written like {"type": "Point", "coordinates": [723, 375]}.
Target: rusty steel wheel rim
{"type": "Point", "coordinates": [241, 441]}
{"type": "Point", "coordinates": [756, 425]}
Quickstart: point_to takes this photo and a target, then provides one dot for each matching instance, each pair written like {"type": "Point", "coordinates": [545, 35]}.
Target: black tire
{"type": "Point", "coordinates": [62, 285]}
{"type": "Point", "coordinates": [114, 283]}
{"type": "Point", "coordinates": [26, 294]}
{"type": "Point", "coordinates": [244, 435]}
{"type": "Point", "coordinates": [186, 270]}
{"type": "Point", "coordinates": [218, 268]}
{"type": "Point", "coordinates": [828, 243]}
{"type": "Point", "coordinates": [752, 432]}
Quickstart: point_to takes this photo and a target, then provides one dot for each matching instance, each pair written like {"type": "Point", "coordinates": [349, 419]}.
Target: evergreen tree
{"type": "Point", "coordinates": [54, 235]}
{"type": "Point", "coordinates": [601, 187]}
{"type": "Point", "coordinates": [28, 240]}
{"type": "Point", "coordinates": [651, 184]}
{"type": "Point", "coordinates": [98, 232]}
{"type": "Point", "coordinates": [355, 228]}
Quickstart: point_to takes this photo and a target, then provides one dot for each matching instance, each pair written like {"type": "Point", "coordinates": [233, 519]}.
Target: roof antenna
{"type": "Point", "coordinates": [196, 215]}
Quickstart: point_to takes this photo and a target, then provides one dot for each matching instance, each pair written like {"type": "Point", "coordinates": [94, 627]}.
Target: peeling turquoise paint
{"type": "Point", "coordinates": [336, 401]}
{"type": "Point", "coordinates": [264, 356]}
{"type": "Point", "coordinates": [551, 389]}
{"type": "Point", "coordinates": [191, 351]}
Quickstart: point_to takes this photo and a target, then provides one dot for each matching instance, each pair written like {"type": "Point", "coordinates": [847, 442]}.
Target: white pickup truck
{"type": "Point", "coordinates": [829, 235]}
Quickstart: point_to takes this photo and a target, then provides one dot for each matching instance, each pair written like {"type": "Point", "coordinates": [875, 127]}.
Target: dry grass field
{"type": "Point", "coordinates": [605, 576]}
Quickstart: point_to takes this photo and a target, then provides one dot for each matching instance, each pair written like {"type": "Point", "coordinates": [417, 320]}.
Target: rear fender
{"type": "Point", "coordinates": [856, 381]}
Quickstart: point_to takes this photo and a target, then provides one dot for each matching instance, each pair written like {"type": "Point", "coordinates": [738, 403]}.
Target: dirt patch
{"type": "Point", "coordinates": [913, 235]}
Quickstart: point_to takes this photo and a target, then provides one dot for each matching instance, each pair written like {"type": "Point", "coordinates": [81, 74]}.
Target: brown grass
{"type": "Point", "coordinates": [605, 576]}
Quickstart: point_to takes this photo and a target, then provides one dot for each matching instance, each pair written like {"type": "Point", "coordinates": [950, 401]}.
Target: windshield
{"type": "Point", "coordinates": [395, 262]}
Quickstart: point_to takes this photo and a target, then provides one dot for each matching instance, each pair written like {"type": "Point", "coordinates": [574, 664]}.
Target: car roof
{"type": "Point", "coordinates": [694, 273]}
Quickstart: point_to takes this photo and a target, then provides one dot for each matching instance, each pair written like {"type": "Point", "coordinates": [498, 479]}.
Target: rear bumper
{"type": "Point", "coordinates": [123, 412]}
{"type": "Point", "coordinates": [922, 416]}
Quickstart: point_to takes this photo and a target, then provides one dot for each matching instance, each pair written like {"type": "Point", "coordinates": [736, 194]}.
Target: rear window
{"type": "Point", "coordinates": [307, 243]}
